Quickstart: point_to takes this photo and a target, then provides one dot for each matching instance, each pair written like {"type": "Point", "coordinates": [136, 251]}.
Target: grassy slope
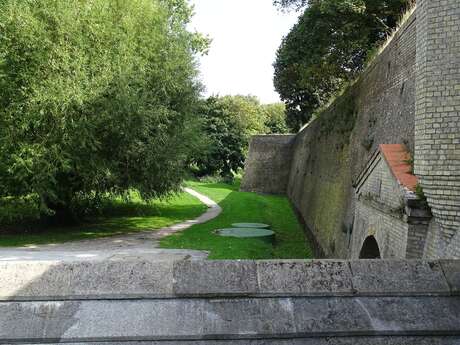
{"type": "Point", "coordinates": [244, 207]}
{"type": "Point", "coordinates": [119, 217]}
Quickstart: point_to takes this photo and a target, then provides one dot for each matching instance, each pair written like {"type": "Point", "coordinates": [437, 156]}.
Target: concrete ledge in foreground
{"type": "Point", "coordinates": [324, 302]}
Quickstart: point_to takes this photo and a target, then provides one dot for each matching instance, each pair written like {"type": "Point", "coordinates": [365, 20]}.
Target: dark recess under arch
{"type": "Point", "coordinates": [370, 249]}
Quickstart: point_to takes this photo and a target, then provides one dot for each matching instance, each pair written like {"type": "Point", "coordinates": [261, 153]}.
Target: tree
{"type": "Point", "coordinates": [96, 96]}
{"type": "Point", "coordinates": [327, 47]}
{"type": "Point", "coordinates": [225, 152]}
{"type": "Point", "coordinates": [288, 4]}
{"type": "Point", "coordinates": [229, 123]}
{"type": "Point", "coordinates": [275, 118]}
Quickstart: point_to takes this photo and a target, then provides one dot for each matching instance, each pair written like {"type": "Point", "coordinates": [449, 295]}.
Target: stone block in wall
{"type": "Point", "coordinates": [268, 164]}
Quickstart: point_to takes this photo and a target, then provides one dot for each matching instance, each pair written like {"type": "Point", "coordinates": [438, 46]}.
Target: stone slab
{"type": "Point", "coordinates": [144, 319]}
{"type": "Point", "coordinates": [425, 340]}
{"type": "Point", "coordinates": [85, 280]}
{"type": "Point", "coordinates": [251, 225]}
{"type": "Point", "coordinates": [245, 233]}
{"type": "Point", "coordinates": [301, 277]}
{"type": "Point", "coordinates": [208, 278]}
{"type": "Point", "coordinates": [398, 277]}
{"type": "Point", "coordinates": [224, 319]}
{"type": "Point", "coordinates": [451, 270]}
{"type": "Point", "coordinates": [378, 315]}
{"type": "Point", "coordinates": [143, 278]}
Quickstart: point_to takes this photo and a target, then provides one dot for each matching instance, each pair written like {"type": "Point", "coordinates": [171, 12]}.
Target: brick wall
{"type": "Point", "coordinates": [380, 213]}
{"type": "Point", "coordinates": [437, 131]}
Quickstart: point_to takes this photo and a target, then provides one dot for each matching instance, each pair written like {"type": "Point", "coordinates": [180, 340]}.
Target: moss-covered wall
{"type": "Point", "coordinates": [331, 152]}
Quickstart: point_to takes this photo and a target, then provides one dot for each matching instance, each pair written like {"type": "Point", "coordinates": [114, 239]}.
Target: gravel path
{"type": "Point", "coordinates": [128, 246]}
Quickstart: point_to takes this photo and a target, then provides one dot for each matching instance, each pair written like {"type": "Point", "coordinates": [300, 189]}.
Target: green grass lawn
{"type": "Point", "coordinates": [244, 207]}
{"type": "Point", "coordinates": [119, 217]}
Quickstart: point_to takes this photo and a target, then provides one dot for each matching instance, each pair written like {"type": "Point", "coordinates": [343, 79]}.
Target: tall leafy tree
{"type": "Point", "coordinates": [290, 4]}
{"type": "Point", "coordinates": [275, 118]}
{"type": "Point", "coordinates": [95, 96]}
{"type": "Point", "coordinates": [225, 152]}
{"type": "Point", "coordinates": [328, 46]}
{"type": "Point", "coordinates": [229, 123]}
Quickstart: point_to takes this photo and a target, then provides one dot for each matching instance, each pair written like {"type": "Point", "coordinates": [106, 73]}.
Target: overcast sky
{"type": "Point", "coordinates": [245, 36]}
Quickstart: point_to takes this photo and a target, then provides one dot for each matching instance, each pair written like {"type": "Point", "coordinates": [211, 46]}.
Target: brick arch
{"type": "Point", "coordinates": [370, 249]}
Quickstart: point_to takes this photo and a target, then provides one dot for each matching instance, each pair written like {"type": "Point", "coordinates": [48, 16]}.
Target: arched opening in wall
{"type": "Point", "coordinates": [370, 249]}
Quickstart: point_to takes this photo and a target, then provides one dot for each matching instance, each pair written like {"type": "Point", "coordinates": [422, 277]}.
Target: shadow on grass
{"type": "Point", "coordinates": [122, 219]}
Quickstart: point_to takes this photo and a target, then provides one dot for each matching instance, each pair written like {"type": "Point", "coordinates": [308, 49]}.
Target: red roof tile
{"type": "Point", "coordinates": [398, 159]}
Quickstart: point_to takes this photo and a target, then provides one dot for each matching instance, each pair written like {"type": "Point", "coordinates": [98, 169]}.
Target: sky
{"type": "Point", "coordinates": [245, 36]}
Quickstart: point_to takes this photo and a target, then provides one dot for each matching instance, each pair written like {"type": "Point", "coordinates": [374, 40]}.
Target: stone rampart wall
{"type": "Point", "coordinates": [409, 95]}
{"type": "Point", "coordinates": [268, 163]}
{"type": "Point", "coordinates": [331, 152]}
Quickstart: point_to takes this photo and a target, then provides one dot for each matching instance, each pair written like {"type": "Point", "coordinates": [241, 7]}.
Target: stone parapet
{"type": "Point", "coordinates": [38, 281]}
{"type": "Point", "coordinates": [425, 340]}
{"type": "Point", "coordinates": [231, 302]}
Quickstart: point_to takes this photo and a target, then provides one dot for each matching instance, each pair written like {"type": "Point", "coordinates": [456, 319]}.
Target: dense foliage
{"type": "Point", "coordinates": [288, 4]}
{"type": "Point", "coordinates": [95, 96]}
{"type": "Point", "coordinates": [229, 123]}
{"type": "Point", "coordinates": [327, 47]}
{"type": "Point", "coordinates": [274, 117]}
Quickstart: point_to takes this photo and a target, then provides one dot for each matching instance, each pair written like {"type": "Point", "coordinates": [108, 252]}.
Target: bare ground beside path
{"type": "Point", "coordinates": [129, 246]}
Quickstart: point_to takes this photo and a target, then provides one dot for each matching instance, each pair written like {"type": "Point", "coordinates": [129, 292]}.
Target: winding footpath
{"type": "Point", "coordinates": [129, 246]}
